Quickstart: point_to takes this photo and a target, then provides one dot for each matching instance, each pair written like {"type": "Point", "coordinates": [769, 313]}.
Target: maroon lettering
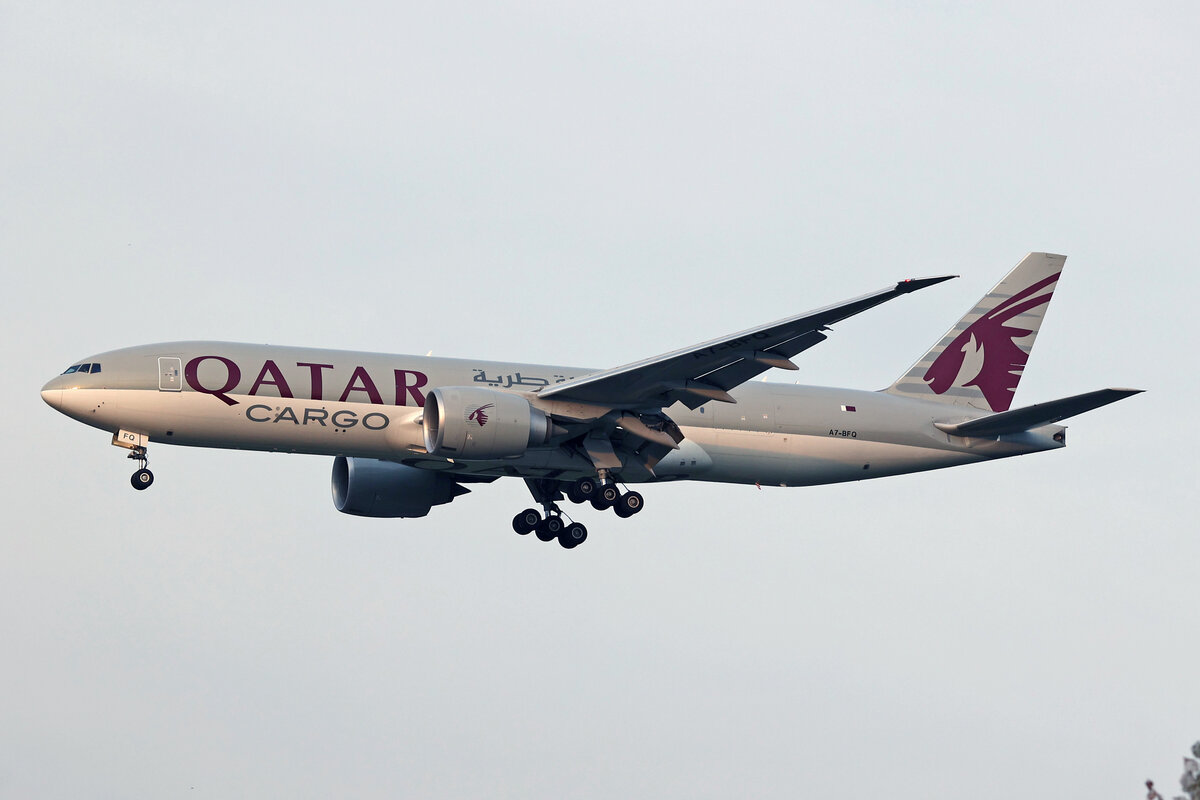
{"type": "Point", "coordinates": [232, 377]}
{"type": "Point", "coordinates": [277, 380]}
{"type": "Point", "coordinates": [315, 372]}
{"type": "Point", "coordinates": [404, 389]}
{"type": "Point", "coordinates": [367, 385]}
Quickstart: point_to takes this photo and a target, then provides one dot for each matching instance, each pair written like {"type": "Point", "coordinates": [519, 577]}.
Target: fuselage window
{"type": "Point", "coordinates": [85, 367]}
{"type": "Point", "coordinates": [95, 368]}
{"type": "Point", "coordinates": [72, 369]}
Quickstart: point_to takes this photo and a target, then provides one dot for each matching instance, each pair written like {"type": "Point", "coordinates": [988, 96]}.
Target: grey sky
{"type": "Point", "coordinates": [591, 185]}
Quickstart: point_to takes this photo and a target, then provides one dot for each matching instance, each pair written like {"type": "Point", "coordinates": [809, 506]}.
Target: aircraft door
{"type": "Point", "coordinates": [170, 374]}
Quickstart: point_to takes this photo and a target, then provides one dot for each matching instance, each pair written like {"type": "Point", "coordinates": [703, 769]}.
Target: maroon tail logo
{"type": "Point", "coordinates": [992, 345]}
{"type": "Point", "coordinates": [479, 416]}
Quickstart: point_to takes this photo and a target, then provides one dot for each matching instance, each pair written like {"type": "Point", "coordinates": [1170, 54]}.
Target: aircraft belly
{"type": "Point", "coordinates": [802, 460]}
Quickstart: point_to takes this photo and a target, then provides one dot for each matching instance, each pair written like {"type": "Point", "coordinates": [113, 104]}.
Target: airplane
{"type": "Point", "coordinates": [408, 432]}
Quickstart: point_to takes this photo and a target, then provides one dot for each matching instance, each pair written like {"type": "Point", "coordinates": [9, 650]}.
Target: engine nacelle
{"type": "Point", "coordinates": [470, 423]}
{"type": "Point", "coordinates": [367, 487]}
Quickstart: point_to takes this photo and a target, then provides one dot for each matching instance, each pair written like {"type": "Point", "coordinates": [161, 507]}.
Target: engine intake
{"type": "Point", "coordinates": [367, 487]}
{"type": "Point", "coordinates": [469, 423]}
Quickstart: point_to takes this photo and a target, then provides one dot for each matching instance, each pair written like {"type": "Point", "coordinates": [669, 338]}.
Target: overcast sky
{"type": "Point", "coordinates": [592, 184]}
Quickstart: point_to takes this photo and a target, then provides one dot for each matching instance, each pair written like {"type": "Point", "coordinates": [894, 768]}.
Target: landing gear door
{"type": "Point", "coordinates": [170, 374]}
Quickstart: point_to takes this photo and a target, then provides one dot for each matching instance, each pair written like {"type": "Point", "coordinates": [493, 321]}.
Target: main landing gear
{"type": "Point", "coordinates": [570, 534]}
{"type": "Point", "coordinates": [143, 477]}
{"type": "Point", "coordinates": [605, 495]}
{"type": "Point", "coordinates": [551, 525]}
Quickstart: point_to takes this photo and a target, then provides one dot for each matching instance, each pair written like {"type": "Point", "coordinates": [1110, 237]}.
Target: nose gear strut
{"type": "Point", "coordinates": [135, 443]}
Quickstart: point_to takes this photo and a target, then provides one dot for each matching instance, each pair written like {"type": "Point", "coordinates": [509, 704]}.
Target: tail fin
{"type": "Point", "coordinates": [980, 360]}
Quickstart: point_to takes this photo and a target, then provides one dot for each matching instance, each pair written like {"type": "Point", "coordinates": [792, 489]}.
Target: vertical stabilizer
{"type": "Point", "coordinates": [980, 360]}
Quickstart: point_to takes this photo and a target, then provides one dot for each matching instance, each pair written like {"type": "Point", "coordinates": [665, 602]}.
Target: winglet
{"type": "Point", "coordinates": [913, 284]}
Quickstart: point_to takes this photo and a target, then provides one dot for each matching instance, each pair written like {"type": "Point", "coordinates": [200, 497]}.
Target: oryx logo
{"type": "Point", "coordinates": [986, 354]}
{"type": "Point", "coordinates": [479, 415]}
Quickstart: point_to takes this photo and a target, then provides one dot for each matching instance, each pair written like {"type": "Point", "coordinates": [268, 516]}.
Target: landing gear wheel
{"type": "Point", "coordinates": [572, 536]}
{"type": "Point", "coordinates": [526, 521]}
{"type": "Point", "coordinates": [628, 504]}
{"type": "Point", "coordinates": [142, 479]}
{"type": "Point", "coordinates": [549, 528]}
{"type": "Point", "coordinates": [605, 497]}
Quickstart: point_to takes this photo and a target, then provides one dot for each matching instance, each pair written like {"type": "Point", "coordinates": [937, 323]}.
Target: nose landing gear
{"type": "Point", "coordinates": [136, 443]}
{"type": "Point", "coordinates": [143, 477]}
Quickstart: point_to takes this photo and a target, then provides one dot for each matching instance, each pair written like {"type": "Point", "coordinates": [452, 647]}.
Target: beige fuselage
{"type": "Point", "coordinates": [370, 405]}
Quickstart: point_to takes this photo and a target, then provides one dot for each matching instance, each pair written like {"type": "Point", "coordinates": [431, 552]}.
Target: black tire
{"type": "Point", "coordinates": [622, 512]}
{"type": "Point", "coordinates": [599, 504]}
{"type": "Point", "coordinates": [549, 528]}
{"type": "Point", "coordinates": [586, 488]}
{"type": "Point", "coordinates": [609, 495]}
{"type": "Point", "coordinates": [573, 494]}
{"type": "Point", "coordinates": [631, 503]}
{"type": "Point", "coordinates": [141, 479]}
{"type": "Point", "coordinates": [526, 521]}
{"type": "Point", "coordinates": [572, 536]}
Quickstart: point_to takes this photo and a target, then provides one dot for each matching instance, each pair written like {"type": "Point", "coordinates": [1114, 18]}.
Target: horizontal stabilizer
{"type": "Point", "coordinates": [1023, 419]}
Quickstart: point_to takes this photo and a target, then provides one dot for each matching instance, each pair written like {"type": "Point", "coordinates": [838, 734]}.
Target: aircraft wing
{"type": "Point", "coordinates": [707, 371]}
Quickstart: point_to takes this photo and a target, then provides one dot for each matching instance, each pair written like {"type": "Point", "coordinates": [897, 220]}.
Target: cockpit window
{"type": "Point", "coordinates": [92, 368]}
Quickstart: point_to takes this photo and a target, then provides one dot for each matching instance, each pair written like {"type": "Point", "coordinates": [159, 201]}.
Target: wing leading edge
{"type": "Point", "coordinates": [707, 371]}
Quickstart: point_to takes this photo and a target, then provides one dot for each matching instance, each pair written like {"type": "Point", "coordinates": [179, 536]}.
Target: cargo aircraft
{"type": "Point", "coordinates": [409, 432]}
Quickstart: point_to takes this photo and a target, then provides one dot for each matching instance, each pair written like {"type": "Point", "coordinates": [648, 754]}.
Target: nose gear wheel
{"type": "Point", "coordinates": [143, 477]}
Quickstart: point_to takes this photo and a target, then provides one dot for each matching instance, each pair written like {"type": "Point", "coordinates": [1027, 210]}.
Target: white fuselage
{"type": "Point", "coordinates": [370, 405]}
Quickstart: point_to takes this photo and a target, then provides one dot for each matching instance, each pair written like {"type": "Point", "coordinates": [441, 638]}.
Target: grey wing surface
{"type": "Point", "coordinates": [707, 371]}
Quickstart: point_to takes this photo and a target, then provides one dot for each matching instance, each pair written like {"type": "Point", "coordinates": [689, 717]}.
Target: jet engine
{"type": "Point", "coordinates": [469, 423]}
{"type": "Point", "coordinates": [367, 487]}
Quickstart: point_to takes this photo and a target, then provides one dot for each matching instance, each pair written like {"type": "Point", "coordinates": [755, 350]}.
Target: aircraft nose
{"type": "Point", "coordinates": [52, 394]}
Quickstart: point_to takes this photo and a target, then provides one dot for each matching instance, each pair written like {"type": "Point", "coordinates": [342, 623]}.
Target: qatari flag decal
{"type": "Point", "coordinates": [849, 408]}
